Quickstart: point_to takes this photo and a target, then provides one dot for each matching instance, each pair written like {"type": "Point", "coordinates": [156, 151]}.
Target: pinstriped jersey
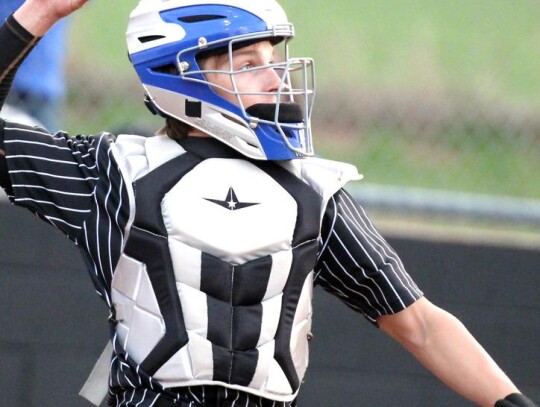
{"type": "Point", "coordinates": [77, 185]}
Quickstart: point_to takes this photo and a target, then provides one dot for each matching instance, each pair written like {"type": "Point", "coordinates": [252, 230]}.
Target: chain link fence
{"type": "Point", "coordinates": [438, 155]}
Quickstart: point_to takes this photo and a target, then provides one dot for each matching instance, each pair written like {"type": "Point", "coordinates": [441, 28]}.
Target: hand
{"type": "Point", "coordinates": [63, 8]}
{"type": "Point", "coordinates": [515, 400]}
{"type": "Point", "coordinates": [38, 16]}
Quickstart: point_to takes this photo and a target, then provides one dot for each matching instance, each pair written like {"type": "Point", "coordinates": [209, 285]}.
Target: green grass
{"type": "Point", "coordinates": [481, 167]}
{"type": "Point", "coordinates": [483, 45]}
{"type": "Point", "coordinates": [482, 49]}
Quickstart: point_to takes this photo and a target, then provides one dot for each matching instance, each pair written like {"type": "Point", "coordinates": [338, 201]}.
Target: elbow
{"type": "Point", "coordinates": [411, 327]}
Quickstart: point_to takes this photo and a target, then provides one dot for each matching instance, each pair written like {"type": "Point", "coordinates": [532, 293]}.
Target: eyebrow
{"type": "Point", "coordinates": [250, 50]}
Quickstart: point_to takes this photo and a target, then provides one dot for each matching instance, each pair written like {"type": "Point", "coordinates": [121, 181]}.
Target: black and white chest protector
{"type": "Point", "coordinates": [215, 283]}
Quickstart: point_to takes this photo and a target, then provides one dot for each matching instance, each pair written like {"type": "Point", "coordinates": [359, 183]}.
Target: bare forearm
{"type": "Point", "coordinates": [451, 353]}
{"type": "Point", "coordinates": [454, 356]}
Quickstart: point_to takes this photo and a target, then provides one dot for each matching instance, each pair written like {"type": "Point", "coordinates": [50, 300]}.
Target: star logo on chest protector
{"type": "Point", "coordinates": [231, 202]}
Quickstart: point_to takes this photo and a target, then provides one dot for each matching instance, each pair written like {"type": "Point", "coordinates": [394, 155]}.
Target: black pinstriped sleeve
{"type": "Point", "coordinates": [358, 265]}
{"type": "Point", "coordinates": [54, 176]}
{"type": "Point", "coordinates": [4, 176]}
{"type": "Point", "coordinates": [75, 184]}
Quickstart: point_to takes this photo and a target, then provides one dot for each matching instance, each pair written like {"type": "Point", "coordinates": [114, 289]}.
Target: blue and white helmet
{"type": "Point", "coordinates": [165, 39]}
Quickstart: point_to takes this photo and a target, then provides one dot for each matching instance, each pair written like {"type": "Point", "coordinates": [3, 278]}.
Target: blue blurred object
{"type": "Point", "coordinates": [39, 86]}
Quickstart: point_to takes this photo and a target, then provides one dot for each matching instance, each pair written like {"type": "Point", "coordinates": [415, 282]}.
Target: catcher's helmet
{"type": "Point", "coordinates": [166, 40]}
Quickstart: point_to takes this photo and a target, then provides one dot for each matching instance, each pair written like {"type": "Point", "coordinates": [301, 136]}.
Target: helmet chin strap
{"type": "Point", "coordinates": [288, 112]}
{"type": "Point", "coordinates": [151, 105]}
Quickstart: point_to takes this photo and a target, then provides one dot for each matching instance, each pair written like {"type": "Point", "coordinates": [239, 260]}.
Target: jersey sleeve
{"type": "Point", "coordinates": [358, 265]}
{"type": "Point", "coordinates": [54, 175]}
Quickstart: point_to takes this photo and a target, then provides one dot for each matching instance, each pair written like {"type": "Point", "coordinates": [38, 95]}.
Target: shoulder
{"type": "Point", "coordinates": [139, 155]}
{"type": "Point", "coordinates": [325, 176]}
{"type": "Point", "coordinates": [20, 137]}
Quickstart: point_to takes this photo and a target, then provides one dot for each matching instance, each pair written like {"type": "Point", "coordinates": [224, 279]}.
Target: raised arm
{"type": "Point", "coordinates": [35, 18]}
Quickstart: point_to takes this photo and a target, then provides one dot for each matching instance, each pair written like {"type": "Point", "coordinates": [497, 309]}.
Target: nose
{"type": "Point", "coordinates": [272, 80]}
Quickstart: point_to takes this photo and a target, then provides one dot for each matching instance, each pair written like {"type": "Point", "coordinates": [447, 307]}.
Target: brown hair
{"type": "Point", "coordinates": [175, 129]}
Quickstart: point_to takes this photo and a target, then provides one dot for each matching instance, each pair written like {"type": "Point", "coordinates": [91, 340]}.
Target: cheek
{"type": "Point", "coordinates": [247, 82]}
{"type": "Point", "coordinates": [222, 81]}
{"type": "Point", "coordinates": [219, 80]}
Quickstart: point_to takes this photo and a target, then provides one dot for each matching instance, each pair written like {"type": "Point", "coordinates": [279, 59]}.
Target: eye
{"type": "Point", "coordinates": [246, 66]}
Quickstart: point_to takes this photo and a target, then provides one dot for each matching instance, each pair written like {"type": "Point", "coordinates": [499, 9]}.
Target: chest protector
{"type": "Point", "coordinates": [215, 282]}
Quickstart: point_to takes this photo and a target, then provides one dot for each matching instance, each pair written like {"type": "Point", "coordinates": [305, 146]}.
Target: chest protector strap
{"type": "Point", "coordinates": [148, 243]}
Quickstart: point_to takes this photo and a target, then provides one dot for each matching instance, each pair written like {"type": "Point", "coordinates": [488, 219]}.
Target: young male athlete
{"type": "Point", "coordinates": [205, 241]}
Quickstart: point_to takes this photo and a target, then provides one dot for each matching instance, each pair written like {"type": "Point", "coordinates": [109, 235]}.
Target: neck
{"type": "Point", "coordinates": [197, 133]}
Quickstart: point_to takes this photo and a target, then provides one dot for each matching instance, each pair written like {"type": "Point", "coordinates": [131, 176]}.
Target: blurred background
{"type": "Point", "coordinates": [429, 95]}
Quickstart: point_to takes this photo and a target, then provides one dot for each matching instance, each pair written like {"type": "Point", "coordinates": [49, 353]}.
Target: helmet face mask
{"type": "Point", "coordinates": [289, 105]}
{"type": "Point", "coordinates": [261, 123]}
